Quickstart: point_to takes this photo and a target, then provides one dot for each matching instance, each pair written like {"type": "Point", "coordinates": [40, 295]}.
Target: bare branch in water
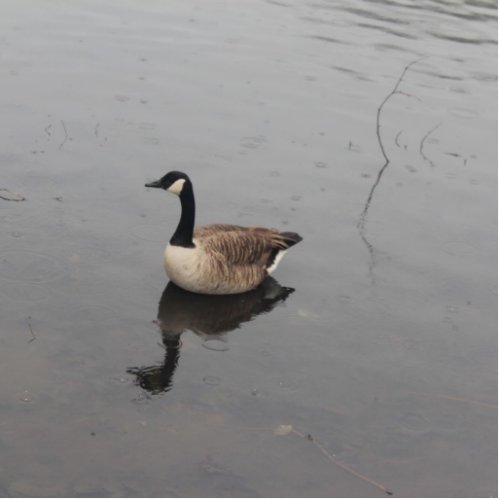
{"type": "Point", "coordinates": [362, 218]}
{"type": "Point", "coordinates": [394, 91]}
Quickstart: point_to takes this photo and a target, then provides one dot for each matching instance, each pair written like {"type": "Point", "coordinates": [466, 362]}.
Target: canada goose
{"type": "Point", "coordinates": [218, 259]}
{"type": "Point", "coordinates": [208, 316]}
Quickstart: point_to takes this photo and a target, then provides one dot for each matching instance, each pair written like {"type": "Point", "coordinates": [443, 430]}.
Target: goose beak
{"type": "Point", "coordinates": [154, 184]}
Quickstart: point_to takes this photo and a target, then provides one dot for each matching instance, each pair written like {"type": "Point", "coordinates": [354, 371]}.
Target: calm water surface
{"type": "Point", "coordinates": [369, 364]}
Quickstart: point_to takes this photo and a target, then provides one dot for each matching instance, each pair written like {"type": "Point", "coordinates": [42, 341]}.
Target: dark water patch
{"type": "Point", "coordinates": [323, 38]}
{"type": "Point", "coordinates": [465, 11]}
{"type": "Point", "coordinates": [485, 77]}
{"type": "Point", "coordinates": [359, 76]}
{"type": "Point", "coordinates": [390, 46]}
{"type": "Point", "coordinates": [462, 39]}
{"type": "Point", "coordinates": [442, 76]}
{"type": "Point", "coordinates": [375, 15]}
{"type": "Point", "coordinates": [401, 34]}
{"type": "Point", "coordinates": [317, 20]}
{"type": "Point", "coordinates": [279, 4]}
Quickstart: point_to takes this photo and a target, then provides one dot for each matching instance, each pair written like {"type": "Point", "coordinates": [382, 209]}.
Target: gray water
{"type": "Point", "coordinates": [374, 367]}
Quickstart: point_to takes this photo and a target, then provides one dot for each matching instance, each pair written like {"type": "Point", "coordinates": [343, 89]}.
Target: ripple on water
{"type": "Point", "coordinates": [211, 380]}
{"type": "Point", "coordinates": [26, 266]}
{"type": "Point", "coordinates": [24, 292]}
{"type": "Point", "coordinates": [413, 422]}
{"type": "Point", "coordinates": [215, 345]}
{"type": "Point", "coordinates": [150, 232]}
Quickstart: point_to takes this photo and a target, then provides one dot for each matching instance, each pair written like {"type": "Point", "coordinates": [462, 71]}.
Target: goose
{"type": "Point", "coordinates": [218, 259]}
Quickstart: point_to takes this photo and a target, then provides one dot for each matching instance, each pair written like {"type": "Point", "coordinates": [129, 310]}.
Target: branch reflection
{"type": "Point", "coordinates": [209, 316]}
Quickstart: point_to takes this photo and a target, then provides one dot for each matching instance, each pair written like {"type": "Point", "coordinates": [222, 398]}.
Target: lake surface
{"type": "Point", "coordinates": [369, 365]}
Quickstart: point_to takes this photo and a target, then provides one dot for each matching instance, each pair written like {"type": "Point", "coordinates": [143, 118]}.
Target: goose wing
{"type": "Point", "coordinates": [238, 245]}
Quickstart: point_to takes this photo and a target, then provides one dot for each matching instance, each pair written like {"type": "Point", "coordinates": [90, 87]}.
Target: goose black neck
{"type": "Point", "coordinates": [183, 236]}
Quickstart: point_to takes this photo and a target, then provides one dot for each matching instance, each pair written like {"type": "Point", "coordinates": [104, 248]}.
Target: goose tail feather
{"type": "Point", "coordinates": [291, 238]}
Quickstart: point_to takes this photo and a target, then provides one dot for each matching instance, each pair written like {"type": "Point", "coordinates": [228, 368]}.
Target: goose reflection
{"type": "Point", "coordinates": [209, 316]}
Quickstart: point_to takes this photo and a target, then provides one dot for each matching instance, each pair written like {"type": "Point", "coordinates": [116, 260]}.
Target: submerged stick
{"type": "Point", "coordinates": [8, 195]}
{"type": "Point", "coordinates": [344, 467]}
{"type": "Point", "coordinates": [33, 336]}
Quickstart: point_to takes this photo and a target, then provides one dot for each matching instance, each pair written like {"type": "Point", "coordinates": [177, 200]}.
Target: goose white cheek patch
{"type": "Point", "coordinates": [176, 187]}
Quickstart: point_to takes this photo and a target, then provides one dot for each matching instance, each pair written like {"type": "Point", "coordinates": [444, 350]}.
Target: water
{"type": "Point", "coordinates": [380, 367]}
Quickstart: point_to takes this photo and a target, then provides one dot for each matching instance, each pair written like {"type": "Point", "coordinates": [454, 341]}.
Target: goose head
{"type": "Point", "coordinates": [172, 181]}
